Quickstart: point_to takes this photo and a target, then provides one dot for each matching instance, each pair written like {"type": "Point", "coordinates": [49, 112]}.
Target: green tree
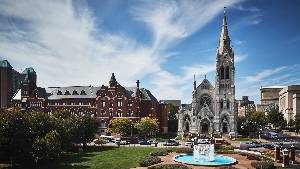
{"type": "Point", "coordinates": [258, 117]}
{"type": "Point", "coordinates": [48, 147]}
{"type": "Point", "coordinates": [85, 129]}
{"type": "Point", "coordinates": [172, 118]}
{"type": "Point", "coordinates": [297, 122]}
{"type": "Point", "coordinates": [275, 117]}
{"type": "Point", "coordinates": [122, 126]}
{"type": "Point", "coordinates": [147, 126]}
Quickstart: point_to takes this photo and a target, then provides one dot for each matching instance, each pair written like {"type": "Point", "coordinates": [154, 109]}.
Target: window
{"type": "Point", "coordinates": [67, 92]}
{"type": "Point", "coordinates": [111, 104]}
{"type": "Point", "coordinates": [222, 72]}
{"type": "Point", "coordinates": [110, 112]}
{"type": "Point", "coordinates": [119, 113]}
{"type": "Point", "coordinates": [129, 104]}
{"type": "Point", "coordinates": [82, 92]}
{"type": "Point", "coordinates": [103, 123]}
{"type": "Point", "coordinates": [130, 114]}
{"type": "Point", "coordinates": [75, 92]}
{"type": "Point", "coordinates": [228, 104]}
{"type": "Point", "coordinates": [227, 72]}
{"type": "Point", "coordinates": [221, 104]}
{"type": "Point", "coordinates": [103, 113]}
{"type": "Point", "coordinates": [59, 93]}
{"type": "Point", "coordinates": [119, 102]}
{"type": "Point", "coordinates": [103, 101]}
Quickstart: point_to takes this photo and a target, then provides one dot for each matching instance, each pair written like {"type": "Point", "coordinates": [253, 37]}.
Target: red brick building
{"type": "Point", "coordinates": [104, 102]}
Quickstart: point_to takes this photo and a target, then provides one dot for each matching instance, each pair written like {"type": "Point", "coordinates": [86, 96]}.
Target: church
{"type": "Point", "coordinates": [213, 107]}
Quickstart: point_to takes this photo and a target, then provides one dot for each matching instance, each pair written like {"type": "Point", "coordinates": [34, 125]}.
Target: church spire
{"type": "Point", "coordinates": [224, 42]}
{"type": "Point", "coordinates": [194, 82]}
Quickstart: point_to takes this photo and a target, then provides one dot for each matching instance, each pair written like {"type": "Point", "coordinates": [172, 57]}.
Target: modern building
{"type": "Point", "coordinates": [269, 96]}
{"type": "Point", "coordinates": [245, 106]}
{"type": "Point", "coordinates": [213, 107]}
{"type": "Point", "coordinates": [10, 82]}
{"type": "Point", "coordinates": [103, 102]}
{"type": "Point", "coordinates": [289, 102]}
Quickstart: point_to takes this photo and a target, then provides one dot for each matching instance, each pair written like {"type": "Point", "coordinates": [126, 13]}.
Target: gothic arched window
{"type": "Point", "coordinates": [227, 72]}
{"type": "Point", "coordinates": [205, 99]}
{"type": "Point", "coordinates": [228, 104]}
{"type": "Point", "coordinates": [222, 72]}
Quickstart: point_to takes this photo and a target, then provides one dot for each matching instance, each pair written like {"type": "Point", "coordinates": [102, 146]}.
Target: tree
{"type": "Point", "coordinates": [275, 117]}
{"type": "Point", "coordinates": [172, 118]}
{"type": "Point", "coordinates": [85, 129]}
{"type": "Point", "coordinates": [297, 122]}
{"type": "Point", "coordinates": [48, 147]}
{"type": "Point", "coordinates": [122, 126]}
{"type": "Point", "coordinates": [258, 117]}
{"type": "Point", "coordinates": [147, 126]}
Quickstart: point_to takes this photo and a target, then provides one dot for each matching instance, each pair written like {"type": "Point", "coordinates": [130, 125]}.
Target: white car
{"type": "Point", "coordinates": [203, 141]}
{"type": "Point", "coordinates": [189, 143]}
{"type": "Point", "coordinates": [123, 142]}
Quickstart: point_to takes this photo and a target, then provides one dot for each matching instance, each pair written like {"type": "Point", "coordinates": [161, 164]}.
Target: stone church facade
{"type": "Point", "coordinates": [213, 107]}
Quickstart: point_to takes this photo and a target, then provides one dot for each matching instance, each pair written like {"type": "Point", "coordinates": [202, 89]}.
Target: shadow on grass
{"type": "Point", "coordinates": [69, 160]}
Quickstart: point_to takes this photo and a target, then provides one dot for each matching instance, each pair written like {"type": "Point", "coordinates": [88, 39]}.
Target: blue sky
{"type": "Point", "coordinates": [162, 43]}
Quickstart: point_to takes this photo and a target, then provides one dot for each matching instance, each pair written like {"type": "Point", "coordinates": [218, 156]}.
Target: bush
{"type": "Point", "coordinates": [149, 160]}
{"type": "Point", "coordinates": [159, 153]}
{"type": "Point", "coordinates": [263, 165]}
{"type": "Point", "coordinates": [169, 166]}
{"type": "Point", "coordinates": [179, 137]}
{"type": "Point", "coordinates": [184, 150]}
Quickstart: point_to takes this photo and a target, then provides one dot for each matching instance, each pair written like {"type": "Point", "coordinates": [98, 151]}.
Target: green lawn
{"type": "Point", "coordinates": [108, 158]}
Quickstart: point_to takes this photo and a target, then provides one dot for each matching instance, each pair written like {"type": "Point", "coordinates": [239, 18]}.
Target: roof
{"type": "Point", "coordinates": [28, 70]}
{"type": "Point", "coordinates": [73, 92]}
{"type": "Point", "coordinates": [272, 87]}
{"type": "Point", "coordinates": [205, 84]}
{"type": "Point", "coordinates": [4, 63]}
{"type": "Point", "coordinates": [173, 102]}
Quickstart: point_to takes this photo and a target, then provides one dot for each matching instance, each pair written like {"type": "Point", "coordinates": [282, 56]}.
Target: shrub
{"type": "Point", "coordinates": [179, 137]}
{"type": "Point", "coordinates": [169, 166]}
{"type": "Point", "coordinates": [159, 153]}
{"type": "Point", "coordinates": [253, 157]}
{"type": "Point", "coordinates": [263, 165]}
{"type": "Point", "coordinates": [184, 150]}
{"type": "Point", "coordinates": [149, 160]}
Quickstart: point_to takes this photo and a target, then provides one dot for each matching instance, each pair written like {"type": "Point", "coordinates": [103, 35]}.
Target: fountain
{"type": "Point", "coordinates": [204, 154]}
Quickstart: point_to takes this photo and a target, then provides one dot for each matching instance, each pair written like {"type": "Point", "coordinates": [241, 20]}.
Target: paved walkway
{"type": "Point", "coordinates": [243, 162]}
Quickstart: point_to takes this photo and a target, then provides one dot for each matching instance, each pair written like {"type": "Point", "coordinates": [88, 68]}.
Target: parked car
{"type": "Point", "coordinates": [268, 146]}
{"type": "Point", "coordinates": [123, 142]}
{"type": "Point", "coordinates": [144, 142]}
{"type": "Point", "coordinates": [249, 144]}
{"type": "Point", "coordinates": [189, 143]}
{"type": "Point", "coordinates": [153, 142]}
{"type": "Point", "coordinates": [171, 143]}
{"type": "Point", "coordinates": [273, 135]}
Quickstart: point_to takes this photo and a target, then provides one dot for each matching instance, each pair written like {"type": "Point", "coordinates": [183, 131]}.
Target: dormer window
{"type": "Point", "coordinates": [59, 93]}
{"type": "Point", "coordinates": [75, 92]}
{"type": "Point", "coordinates": [67, 92]}
{"type": "Point", "coordinates": [82, 92]}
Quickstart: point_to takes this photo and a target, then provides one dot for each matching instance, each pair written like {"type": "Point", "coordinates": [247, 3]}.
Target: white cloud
{"type": "Point", "coordinates": [264, 74]}
{"type": "Point", "coordinates": [61, 41]}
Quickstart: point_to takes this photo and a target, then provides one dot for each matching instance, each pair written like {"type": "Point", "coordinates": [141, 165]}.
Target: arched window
{"type": "Point", "coordinates": [119, 102]}
{"type": "Point", "coordinates": [103, 123]}
{"type": "Point", "coordinates": [228, 104]}
{"type": "Point", "coordinates": [102, 113]}
{"type": "Point", "coordinates": [227, 72]}
{"type": "Point", "coordinates": [221, 104]}
{"type": "Point", "coordinates": [111, 104]}
{"type": "Point", "coordinates": [110, 112]}
{"type": "Point", "coordinates": [222, 72]}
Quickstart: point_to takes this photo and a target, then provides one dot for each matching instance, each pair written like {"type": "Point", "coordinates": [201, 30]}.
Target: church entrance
{"type": "Point", "coordinates": [204, 126]}
{"type": "Point", "coordinates": [225, 128]}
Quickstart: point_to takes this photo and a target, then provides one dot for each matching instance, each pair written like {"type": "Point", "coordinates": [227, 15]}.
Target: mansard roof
{"type": "Point", "coordinates": [86, 92]}
{"type": "Point", "coordinates": [28, 70]}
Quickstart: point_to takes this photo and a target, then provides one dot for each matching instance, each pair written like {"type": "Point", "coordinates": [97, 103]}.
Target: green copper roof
{"type": "Point", "coordinates": [4, 63]}
{"type": "Point", "coordinates": [28, 70]}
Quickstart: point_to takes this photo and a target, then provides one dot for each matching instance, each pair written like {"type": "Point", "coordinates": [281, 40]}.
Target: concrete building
{"type": "Point", "coordinates": [269, 95]}
{"type": "Point", "coordinates": [289, 101]}
{"type": "Point", "coordinates": [245, 106]}
{"type": "Point", "coordinates": [10, 82]}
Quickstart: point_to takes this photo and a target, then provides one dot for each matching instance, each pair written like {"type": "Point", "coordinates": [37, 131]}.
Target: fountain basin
{"type": "Point", "coordinates": [219, 160]}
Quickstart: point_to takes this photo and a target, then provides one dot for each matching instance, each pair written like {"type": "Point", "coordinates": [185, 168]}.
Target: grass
{"type": "Point", "coordinates": [100, 158]}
